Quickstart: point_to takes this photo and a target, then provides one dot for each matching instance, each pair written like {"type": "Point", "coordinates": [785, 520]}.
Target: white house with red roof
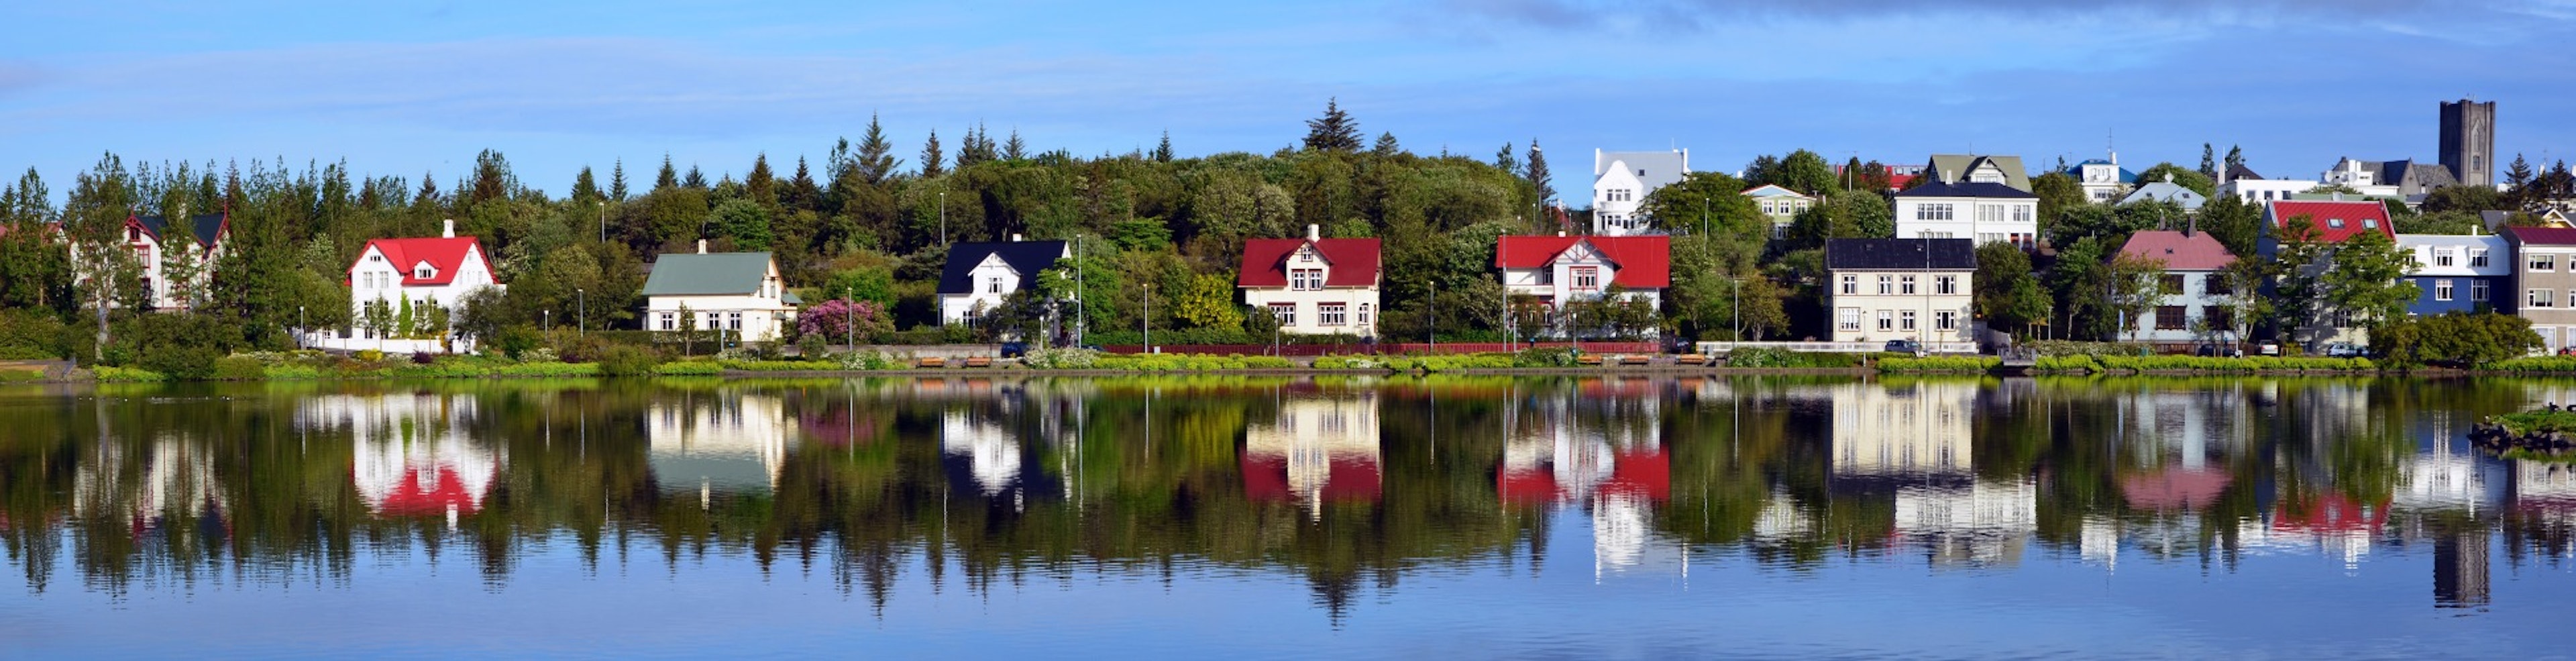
{"type": "Point", "coordinates": [422, 272]}
{"type": "Point", "coordinates": [1315, 451]}
{"type": "Point", "coordinates": [2331, 222]}
{"type": "Point", "coordinates": [2192, 297]}
{"type": "Point", "coordinates": [1314, 285]}
{"type": "Point", "coordinates": [1563, 269]}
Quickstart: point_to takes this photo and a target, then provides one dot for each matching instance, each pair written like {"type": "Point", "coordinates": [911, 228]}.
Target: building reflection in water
{"type": "Point", "coordinates": [1317, 449]}
{"type": "Point", "coordinates": [174, 483]}
{"type": "Point", "coordinates": [983, 456]}
{"type": "Point", "coordinates": [2176, 449]}
{"type": "Point", "coordinates": [1912, 441]}
{"type": "Point", "coordinates": [412, 455]}
{"type": "Point", "coordinates": [731, 443]}
{"type": "Point", "coordinates": [1600, 445]}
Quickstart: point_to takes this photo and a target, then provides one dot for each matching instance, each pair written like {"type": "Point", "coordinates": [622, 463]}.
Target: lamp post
{"type": "Point", "coordinates": [581, 311]}
{"type": "Point", "coordinates": [547, 321]}
{"type": "Point", "coordinates": [1148, 320]}
{"type": "Point", "coordinates": [1435, 317]}
{"type": "Point", "coordinates": [849, 321]}
{"type": "Point", "coordinates": [603, 220]}
{"type": "Point", "coordinates": [943, 215]}
{"type": "Point", "coordinates": [299, 327]}
{"type": "Point", "coordinates": [1738, 305]}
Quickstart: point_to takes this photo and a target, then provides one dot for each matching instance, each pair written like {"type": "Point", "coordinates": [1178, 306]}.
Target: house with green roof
{"type": "Point", "coordinates": [736, 292]}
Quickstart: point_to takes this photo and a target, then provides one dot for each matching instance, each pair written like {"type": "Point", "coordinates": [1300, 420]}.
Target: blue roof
{"type": "Point", "coordinates": [2077, 171]}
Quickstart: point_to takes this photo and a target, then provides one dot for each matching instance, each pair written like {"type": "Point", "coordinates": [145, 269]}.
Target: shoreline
{"type": "Point", "coordinates": [2437, 374]}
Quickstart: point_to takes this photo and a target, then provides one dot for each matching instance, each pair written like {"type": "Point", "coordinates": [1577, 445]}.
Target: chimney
{"type": "Point", "coordinates": [702, 246]}
{"type": "Point", "coordinates": [1314, 232]}
{"type": "Point", "coordinates": [1560, 232]}
{"type": "Point", "coordinates": [449, 231]}
{"type": "Point", "coordinates": [1015, 237]}
{"type": "Point", "coordinates": [2192, 227]}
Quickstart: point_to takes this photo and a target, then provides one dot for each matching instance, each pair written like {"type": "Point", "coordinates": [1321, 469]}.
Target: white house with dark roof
{"type": "Point", "coordinates": [2167, 191]}
{"type": "Point", "coordinates": [1984, 212]}
{"type": "Point", "coordinates": [1780, 205]}
{"type": "Point", "coordinates": [2102, 180]}
{"type": "Point", "coordinates": [178, 260]}
{"type": "Point", "coordinates": [2191, 301]}
{"type": "Point", "coordinates": [981, 274]}
{"type": "Point", "coordinates": [1901, 289]}
{"type": "Point", "coordinates": [1983, 169]}
{"type": "Point", "coordinates": [736, 292]}
{"type": "Point", "coordinates": [1622, 179]}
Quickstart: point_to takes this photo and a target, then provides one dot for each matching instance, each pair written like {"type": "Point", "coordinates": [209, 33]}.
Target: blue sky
{"type": "Point", "coordinates": [421, 87]}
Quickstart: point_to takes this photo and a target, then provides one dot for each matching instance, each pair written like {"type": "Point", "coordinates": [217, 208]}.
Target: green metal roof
{"type": "Point", "coordinates": [693, 274]}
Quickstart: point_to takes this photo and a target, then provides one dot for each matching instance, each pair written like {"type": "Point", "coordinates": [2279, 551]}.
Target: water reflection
{"type": "Point", "coordinates": [1350, 486]}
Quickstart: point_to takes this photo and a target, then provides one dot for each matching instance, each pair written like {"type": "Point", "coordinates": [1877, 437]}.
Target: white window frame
{"type": "Point", "coordinates": [1847, 319]}
{"type": "Point", "coordinates": [1332, 314]}
{"type": "Point", "coordinates": [2442, 289]}
{"type": "Point", "coordinates": [1285, 313]}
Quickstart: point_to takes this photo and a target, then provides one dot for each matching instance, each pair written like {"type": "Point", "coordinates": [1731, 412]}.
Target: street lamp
{"type": "Point", "coordinates": [581, 311]}
{"type": "Point", "coordinates": [603, 220]}
{"type": "Point", "coordinates": [943, 215]}
{"type": "Point", "coordinates": [547, 321]}
{"type": "Point", "coordinates": [299, 327]}
{"type": "Point", "coordinates": [1148, 321]}
{"type": "Point", "coordinates": [1435, 317]}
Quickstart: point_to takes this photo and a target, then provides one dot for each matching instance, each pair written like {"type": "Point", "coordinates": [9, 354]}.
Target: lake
{"type": "Point", "coordinates": [1269, 517]}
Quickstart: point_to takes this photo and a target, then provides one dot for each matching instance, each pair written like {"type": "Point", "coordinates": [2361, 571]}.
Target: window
{"type": "Point", "coordinates": [1946, 284]}
{"type": "Point", "coordinates": [2541, 298]}
{"type": "Point", "coordinates": [2544, 262]}
{"type": "Point", "coordinates": [2169, 284]}
{"type": "Point", "coordinates": [992, 285]}
{"type": "Point", "coordinates": [1906, 321]}
{"type": "Point", "coordinates": [1932, 212]}
{"type": "Point", "coordinates": [2444, 256]}
{"type": "Point", "coordinates": [2170, 317]}
{"type": "Point", "coordinates": [1364, 314]}
{"type": "Point", "coordinates": [1286, 313]}
{"type": "Point", "coordinates": [1851, 284]}
{"type": "Point", "coordinates": [2336, 223]}
{"type": "Point", "coordinates": [2370, 223]}
{"type": "Point", "coordinates": [1306, 279]}
{"type": "Point", "coordinates": [2216, 285]}
{"type": "Point", "coordinates": [670, 321]}
{"type": "Point", "coordinates": [2477, 257]}
{"type": "Point", "coordinates": [1945, 320]}
{"type": "Point", "coordinates": [2478, 291]}
{"type": "Point", "coordinates": [1905, 284]}
{"type": "Point", "coordinates": [1587, 277]}
{"type": "Point", "coordinates": [1779, 231]}
{"type": "Point", "coordinates": [1886, 320]}
{"type": "Point", "coordinates": [424, 272]}
{"type": "Point", "coordinates": [1984, 238]}
{"type": "Point", "coordinates": [2022, 213]}
{"type": "Point", "coordinates": [734, 321]}
{"type": "Point", "coordinates": [2222, 318]}
{"type": "Point", "coordinates": [1992, 213]}
{"type": "Point", "coordinates": [1333, 314]}
{"type": "Point", "coordinates": [1847, 319]}
{"type": "Point", "coordinates": [1886, 284]}
{"type": "Point", "coordinates": [2442, 290]}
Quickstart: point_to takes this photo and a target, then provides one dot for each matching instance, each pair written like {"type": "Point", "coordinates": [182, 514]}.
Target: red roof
{"type": "Point", "coordinates": [1644, 262]}
{"type": "Point", "coordinates": [2353, 215]}
{"type": "Point", "coordinates": [429, 491]}
{"type": "Point", "coordinates": [2175, 488]}
{"type": "Point", "coordinates": [2547, 236]}
{"type": "Point", "coordinates": [1265, 262]}
{"type": "Point", "coordinates": [446, 255]}
{"type": "Point", "coordinates": [1349, 478]}
{"type": "Point", "coordinates": [2196, 251]}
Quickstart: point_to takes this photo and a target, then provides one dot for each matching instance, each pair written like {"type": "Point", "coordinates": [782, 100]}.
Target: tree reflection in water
{"type": "Point", "coordinates": [1350, 483]}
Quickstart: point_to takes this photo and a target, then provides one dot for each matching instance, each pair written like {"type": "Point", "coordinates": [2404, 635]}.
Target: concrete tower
{"type": "Point", "coordinates": [2468, 141]}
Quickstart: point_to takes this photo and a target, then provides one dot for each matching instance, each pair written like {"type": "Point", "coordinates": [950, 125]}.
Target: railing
{"type": "Point", "coordinates": [1831, 347]}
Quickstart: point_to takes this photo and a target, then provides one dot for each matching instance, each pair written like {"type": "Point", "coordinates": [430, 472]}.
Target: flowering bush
{"type": "Point", "coordinates": [833, 319]}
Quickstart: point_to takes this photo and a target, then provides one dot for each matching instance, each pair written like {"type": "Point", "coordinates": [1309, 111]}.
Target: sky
{"type": "Point", "coordinates": [413, 88]}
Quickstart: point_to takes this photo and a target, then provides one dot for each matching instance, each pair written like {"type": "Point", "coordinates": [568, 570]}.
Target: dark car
{"type": "Point", "coordinates": [1905, 347]}
{"type": "Point", "coordinates": [1015, 349]}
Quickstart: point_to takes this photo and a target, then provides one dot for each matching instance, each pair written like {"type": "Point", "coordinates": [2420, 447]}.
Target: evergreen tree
{"type": "Point", "coordinates": [1537, 173]}
{"type": "Point", "coordinates": [802, 192]}
{"type": "Point", "coordinates": [933, 163]}
{"type": "Point", "coordinates": [1015, 150]}
{"type": "Point", "coordinates": [2518, 174]}
{"type": "Point", "coordinates": [876, 161]}
{"type": "Point", "coordinates": [2208, 162]}
{"type": "Point", "coordinates": [585, 190]}
{"type": "Point", "coordinates": [695, 180]}
{"type": "Point", "coordinates": [1335, 131]}
{"type": "Point", "coordinates": [669, 178]}
{"type": "Point", "coordinates": [1386, 146]}
{"type": "Point", "coordinates": [1163, 150]}
{"type": "Point", "coordinates": [1507, 161]}
{"type": "Point", "coordinates": [762, 184]}
{"type": "Point", "coordinates": [492, 178]}
{"type": "Point", "coordinates": [2235, 157]}
{"type": "Point", "coordinates": [428, 191]}
{"type": "Point", "coordinates": [617, 181]}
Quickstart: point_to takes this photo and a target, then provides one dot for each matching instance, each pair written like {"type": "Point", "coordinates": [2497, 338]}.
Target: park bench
{"type": "Point", "coordinates": [933, 361]}
{"type": "Point", "coordinates": [979, 361]}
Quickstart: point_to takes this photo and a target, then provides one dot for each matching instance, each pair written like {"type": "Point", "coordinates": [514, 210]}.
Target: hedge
{"type": "Point", "coordinates": [114, 374]}
{"type": "Point", "coordinates": [1764, 357]}
{"type": "Point", "coordinates": [1167, 362]}
{"type": "Point", "coordinates": [1938, 364]}
{"type": "Point", "coordinates": [2533, 365]}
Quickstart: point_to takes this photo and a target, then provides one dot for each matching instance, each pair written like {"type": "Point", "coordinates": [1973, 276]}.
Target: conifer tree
{"type": "Point", "coordinates": [1335, 131]}
{"type": "Point", "coordinates": [617, 181]}
{"type": "Point", "coordinates": [1163, 150]}
{"type": "Point", "coordinates": [1386, 146]}
{"type": "Point", "coordinates": [1014, 150]}
{"type": "Point", "coordinates": [2208, 162]}
{"type": "Point", "coordinates": [669, 177]}
{"type": "Point", "coordinates": [1507, 161]}
{"type": "Point", "coordinates": [1538, 177]}
{"type": "Point", "coordinates": [694, 179]}
{"type": "Point", "coordinates": [585, 190]}
{"type": "Point", "coordinates": [933, 163]}
{"type": "Point", "coordinates": [762, 184]}
{"type": "Point", "coordinates": [876, 159]}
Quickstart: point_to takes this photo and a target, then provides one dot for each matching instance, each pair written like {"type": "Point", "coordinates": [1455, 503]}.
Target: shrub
{"type": "Point", "coordinates": [182, 362]}
{"type": "Point", "coordinates": [689, 368]}
{"type": "Point", "coordinates": [628, 360]}
{"type": "Point", "coordinates": [370, 355]}
{"type": "Point", "coordinates": [240, 368]}
{"type": "Point", "coordinates": [1938, 364]}
{"type": "Point", "coordinates": [1061, 359]}
{"type": "Point", "coordinates": [1350, 363]}
{"type": "Point", "coordinates": [2067, 364]}
{"type": "Point", "coordinates": [1766, 357]}
{"type": "Point", "coordinates": [20, 376]}
{"type": "Point", "coordinates": [30, 335]}
{"type": "Point", "coordinates": [1545, 357]}
{"type": "Point", "coordinates": [2533, 365]}
{"type": "Point", "coordinates": [114, 374]}
{"type": "Point", "coordinates": [2047, 348]}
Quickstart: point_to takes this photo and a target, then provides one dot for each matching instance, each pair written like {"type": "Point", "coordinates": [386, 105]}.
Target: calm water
{"type": "Point", "coordinates": [1255, 517]}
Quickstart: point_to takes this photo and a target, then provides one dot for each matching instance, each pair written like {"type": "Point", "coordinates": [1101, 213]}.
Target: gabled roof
{"type": "Point", "coordinates": [2181, 251]}
{"type": "Point", "coordinates": [2352, 213]}
{"type": "Point", "coordinates": [2166, 191]}
{"type": "Point", "coordinates": [206, 229]}
{"type": "Point", "coordinates": [1774, 190]}
{"type": "Point", "coordinates": [1957, 166]}
{"type": "Point", "coordinates": [1900, 254]}
{"type": "Point", "coordinates": [699, 274]}
{"type": "Point", "coordinates": [1265, 262]}
{"type": "Point", "coordinates": [2077, 171]}
{"type": "Point", "coordinates": [1644, 262]}
{"type": "Point", "coordinates": [1937, 188]}
{"type": "Point", "coordinates": [1660, 168]}
{"type": "Point", "coordinates": [2542, 236]}
{"type": "Point", "coordinates": [1026, 257]}
{"type": "Point", "coordinates": [446, 255]}
{"type": "Point", "coordinates": [2239, 171]}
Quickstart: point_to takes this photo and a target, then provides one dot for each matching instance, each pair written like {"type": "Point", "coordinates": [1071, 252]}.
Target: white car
{"type": "Point", "coordinates": [2342, 350]}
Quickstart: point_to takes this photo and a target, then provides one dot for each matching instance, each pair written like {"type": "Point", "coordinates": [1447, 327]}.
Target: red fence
{"type": "Point", "coordinates": [1386, 348]}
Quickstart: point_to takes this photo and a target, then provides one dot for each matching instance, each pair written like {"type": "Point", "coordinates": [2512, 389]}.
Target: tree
{"type": "Point", "coordinates": [1335, 131]}
{"type": "Point", "coordinates": [1163, 150]}
{"type": "Point", "coordinates": [1208, 302]}
{"type": "Point", "coordinates": [1806, 172]}
{"type": "Point", "coordinates": [1015, 150]}
{"type": "Point", "coordinates": [876, 162]}
{"type": "Point", "coordinates": [668, 178]}
{"type": "Point", "coordinates": [2136, 289]}
{"type": "Point", "coordinates": [932, 162]}
{"type": "Point", "coordinates": [2367, 281]}
{"type": "Point", "coordinates": [1843, 215]}
{"type": "Point", "coordinates": [2208, 162]}
{"type": "Point", "coordinates": [2235, 159]}
{"type": "Point", "coordinates": [2003, 278]}
{"type": "Point", "coordinates": [1761, 170]}
{"type": "Point", "coordinates": [617, 182]}
{"type": "Point", "coordinates": [2517, 175]}
{"type": "Point", "coordinates": [2057, 194]}
{"type": "Point", "coordinates": [1386, 146]}
{"type": "Point", "coordinates": [2470, 199]}
{"type": "Point", "coordinates": [2243, 302]}
{"type": "Point", "coordinates": [1706, 200]}
{"type": "Point", "coordinates": [1507, 161]}
{"type": "Point", "coordinates": [2459, 339]}
{"type": "Point", "coordinates": [2439, 222]}
{"type": "Point", "coordinates": [745, 222]}
{"type": "Point", "coordinates": [2235, 223]}
{"type": "Point", "coordinates": [1537, 173]}
{"type": "Point", "coordinates": [2081, 281]}
{"type": "Point", "coordinates": [762, 184]}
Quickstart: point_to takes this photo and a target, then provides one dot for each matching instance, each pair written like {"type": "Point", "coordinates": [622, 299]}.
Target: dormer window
{"type": "Point", "coordinates": [2336, 223]}
{"type": "Point", "coordinates": [133, 233]}
{"type": "Point", "coordinates": [423, 272]}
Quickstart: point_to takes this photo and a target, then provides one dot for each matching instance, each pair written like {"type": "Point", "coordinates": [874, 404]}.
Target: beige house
{"type": "Point", "coordinates": [1901, 289]}
{"type": "Point", "coordinates": [2544, 278]}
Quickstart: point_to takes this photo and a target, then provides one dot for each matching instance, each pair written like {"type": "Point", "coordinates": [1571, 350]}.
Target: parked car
{"type": "Point", "coordinates": [2225, 350]}
{"type": "Point", "coordinates": [2268, 349]}
{"type": "Point", "coordinates": [1015, 349]}
{"type": "Point", "coordinates": [1905, 347]}
{"type": "Point", "coordinates": [2342, 349]}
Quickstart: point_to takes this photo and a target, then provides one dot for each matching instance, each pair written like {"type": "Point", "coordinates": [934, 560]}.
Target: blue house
{"type": "Point", "coordinates": [2460, 272]}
